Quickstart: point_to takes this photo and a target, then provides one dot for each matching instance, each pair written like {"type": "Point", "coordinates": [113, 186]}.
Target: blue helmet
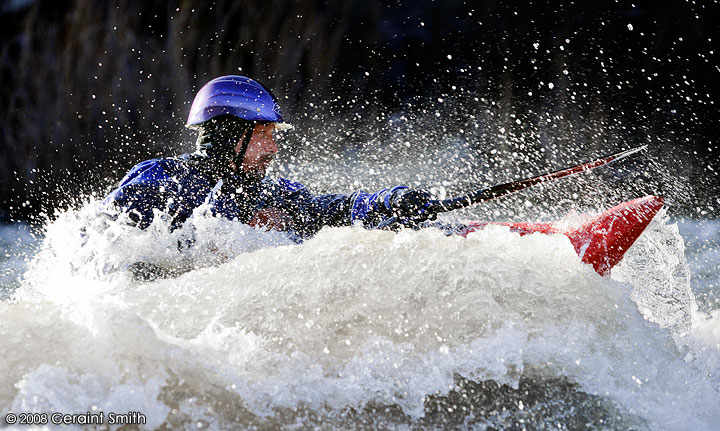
{"type": "Point", "coordinates": [234, 95]}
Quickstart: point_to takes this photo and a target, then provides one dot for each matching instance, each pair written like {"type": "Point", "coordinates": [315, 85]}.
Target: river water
{"type": "Point", "coordinates": [358, 329]}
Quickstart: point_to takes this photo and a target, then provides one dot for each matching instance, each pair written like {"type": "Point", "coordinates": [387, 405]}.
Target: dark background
{"type": "Point", "coordinates": [89, 88]}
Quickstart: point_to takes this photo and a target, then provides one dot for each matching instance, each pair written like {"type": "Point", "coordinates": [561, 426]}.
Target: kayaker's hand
{"type": "Point", "coordinates": [411, 206]}
{"type": "Point", "coordinates": [271, 219]}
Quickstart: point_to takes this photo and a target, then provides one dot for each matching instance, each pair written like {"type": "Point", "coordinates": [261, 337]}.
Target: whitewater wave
{"type": "Point", "coordinates": [357, 329]}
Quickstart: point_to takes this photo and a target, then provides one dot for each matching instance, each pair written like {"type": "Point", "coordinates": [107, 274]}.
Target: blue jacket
{"type": "Point", "coordinates": [177, 186]}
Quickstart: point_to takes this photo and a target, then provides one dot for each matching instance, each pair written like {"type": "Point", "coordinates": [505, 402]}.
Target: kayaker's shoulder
{"type": "Point", "coordinates": [164, 165]}
{"type": "Point", "coordinates": [153, 170]}
{"type": "Point", "coordinates": [289, 185]}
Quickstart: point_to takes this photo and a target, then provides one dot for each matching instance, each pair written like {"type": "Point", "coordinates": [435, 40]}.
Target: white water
{"type": "Point", "coordinates": [262, 332]}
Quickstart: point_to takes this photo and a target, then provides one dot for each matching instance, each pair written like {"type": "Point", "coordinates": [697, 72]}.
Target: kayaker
{"type": "Point", "coordinates": [236, 118]}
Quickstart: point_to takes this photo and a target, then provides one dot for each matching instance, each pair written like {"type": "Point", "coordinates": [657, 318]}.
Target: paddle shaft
{"type": "Point", "coordinates": [484, 195]}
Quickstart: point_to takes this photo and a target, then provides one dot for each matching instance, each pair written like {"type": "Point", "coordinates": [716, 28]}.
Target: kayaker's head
{"type": "Point", "coordinates": [236, 117]}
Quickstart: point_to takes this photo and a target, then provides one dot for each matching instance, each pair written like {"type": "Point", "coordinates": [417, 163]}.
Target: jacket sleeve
{"type": "Point", "coordinates": [310, 213]}
{"type": "Point", "coordinates": [142, 190]}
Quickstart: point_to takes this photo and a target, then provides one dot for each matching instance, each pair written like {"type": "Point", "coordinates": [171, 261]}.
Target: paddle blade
{"type": "Point", "coordinates": [603, 241]}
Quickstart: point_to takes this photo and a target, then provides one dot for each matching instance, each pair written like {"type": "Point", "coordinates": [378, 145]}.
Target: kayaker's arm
{"type": "Point", "coordinates": [310, 213]}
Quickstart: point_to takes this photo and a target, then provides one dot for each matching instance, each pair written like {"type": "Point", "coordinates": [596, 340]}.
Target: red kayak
{"type": "Point", "coordinates": [602, 241]}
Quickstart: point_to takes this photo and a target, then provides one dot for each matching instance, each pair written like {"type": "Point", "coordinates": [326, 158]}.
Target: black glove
{"type": "Point", "coordinates": [412, 206]}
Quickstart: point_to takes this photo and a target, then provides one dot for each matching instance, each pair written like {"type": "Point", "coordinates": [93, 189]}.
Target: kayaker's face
{"type": "Point", "coordinates": [260, 151]}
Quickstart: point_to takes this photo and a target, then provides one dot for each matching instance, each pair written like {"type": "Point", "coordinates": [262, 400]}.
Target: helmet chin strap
{"type": "Point", "coordinates": [240, 156]}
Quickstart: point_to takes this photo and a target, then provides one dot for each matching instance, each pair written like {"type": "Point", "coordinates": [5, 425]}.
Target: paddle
{"type": "Point", "coordinates": [483, 195]}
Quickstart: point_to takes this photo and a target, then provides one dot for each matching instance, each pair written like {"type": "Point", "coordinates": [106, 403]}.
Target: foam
{"type": "Point", "coordinates": [260, 331]}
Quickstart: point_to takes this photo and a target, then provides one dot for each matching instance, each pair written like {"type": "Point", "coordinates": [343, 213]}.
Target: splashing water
{"type": "Point", "coordinates": [357, 329]}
